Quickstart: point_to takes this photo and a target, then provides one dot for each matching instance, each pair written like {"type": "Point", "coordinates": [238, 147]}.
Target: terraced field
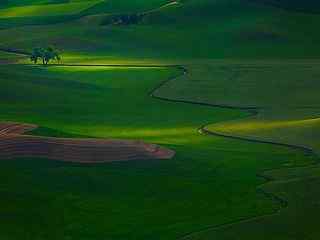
{"type": "Point", "coordinates": [229, 85]}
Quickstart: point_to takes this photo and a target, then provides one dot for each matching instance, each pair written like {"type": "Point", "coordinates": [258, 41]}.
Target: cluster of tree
{"type": "Point", "coordinates": [134, 18]}
{"type": "Point", "coordinates": [45, 55]}
{"type": "Point", "coordinates": [130, 19]}
{"type": "Point", "coordinates": [123, 19]}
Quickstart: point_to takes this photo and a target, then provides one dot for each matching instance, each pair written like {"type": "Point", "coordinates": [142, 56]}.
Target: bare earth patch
{"type": "Point", "coordinates": [15, 143]}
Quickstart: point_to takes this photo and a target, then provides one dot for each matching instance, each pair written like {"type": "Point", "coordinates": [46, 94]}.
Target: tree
{"type": "Point", "coordinates": [45, 54]}
{"type": "Point", "coordinates": [36, 54]}
{"type": "Point", "coordinates": [51, 54]}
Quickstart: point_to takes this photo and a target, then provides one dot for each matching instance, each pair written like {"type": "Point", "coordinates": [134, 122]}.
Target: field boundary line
{"type": "Point", "coordinates": [203, 130]}
{"type": "Point", "coordinates": [253, 111]}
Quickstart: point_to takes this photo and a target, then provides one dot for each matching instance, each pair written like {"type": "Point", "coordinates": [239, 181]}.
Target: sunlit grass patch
{"type": "Point", "coordinates": [265, 125]}
{"type": "Point", "coordinates": [47, 10]}
{"type": "Point", "coordinates": [101, 68]}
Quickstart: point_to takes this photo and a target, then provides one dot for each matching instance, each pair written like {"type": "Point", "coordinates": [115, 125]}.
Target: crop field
{"type": "Point", "coordinates": [289, 115]}
{"type": "Point", "coordinates": [277, 118]}
{"type": "Point", "coordinates": [175, 120]}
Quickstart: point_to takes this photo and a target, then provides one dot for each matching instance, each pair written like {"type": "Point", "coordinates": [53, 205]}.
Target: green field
{"type": "Point", "coordinates": [243, 119]}
{"type": "Point", "coordinates": [291, 118]}
{"type": "Point", "coordinates": [47, 10]}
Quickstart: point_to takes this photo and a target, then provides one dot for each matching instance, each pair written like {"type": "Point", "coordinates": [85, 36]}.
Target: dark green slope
{"type": "Point", "coordinates": [300, 5]}
{"type": "Point", "coordinates": [220, 29]}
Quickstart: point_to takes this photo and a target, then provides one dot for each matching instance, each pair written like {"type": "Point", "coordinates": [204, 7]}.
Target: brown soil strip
{"type": "Point", "coordinates": [15, 143]}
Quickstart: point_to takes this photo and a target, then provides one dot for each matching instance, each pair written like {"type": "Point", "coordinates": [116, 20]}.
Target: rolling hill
{"type": "Point", "coordinates": [230, 85]}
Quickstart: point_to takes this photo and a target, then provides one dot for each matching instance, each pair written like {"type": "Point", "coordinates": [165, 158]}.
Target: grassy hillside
{"type": "Point", "coordinates": [34, 13]}
{"type": "Point", "coordinates": [13, 3]}
{"type": "Point", "coordinates": [280, 117]}
{"type": "Point", "coordinates": [221, 29]}
{"type": "Point", "coordinates": [100, 102]}
{"type": "Point", "coordinates": [47, 10]}
{"type": "Point", "coordinates": [288, 115]}
{"type": "Point", "coordinates": [238, 53]}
